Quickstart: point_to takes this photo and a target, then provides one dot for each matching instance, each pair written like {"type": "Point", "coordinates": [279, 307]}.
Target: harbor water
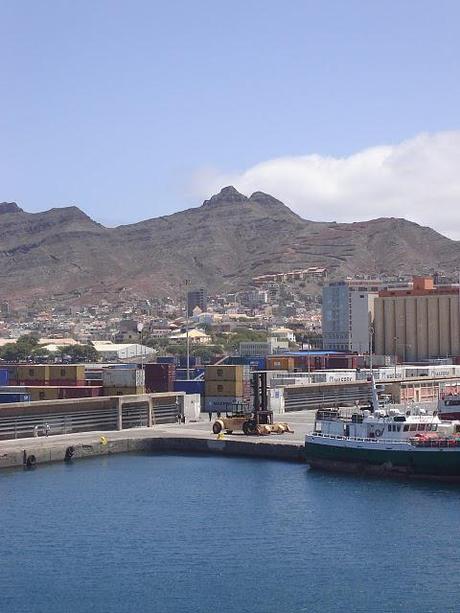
{"type": "Point", "coordinates": [171, 533]}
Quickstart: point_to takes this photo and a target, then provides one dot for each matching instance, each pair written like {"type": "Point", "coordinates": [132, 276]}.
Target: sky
{"type": "Point", "coordinates": [345, 110]}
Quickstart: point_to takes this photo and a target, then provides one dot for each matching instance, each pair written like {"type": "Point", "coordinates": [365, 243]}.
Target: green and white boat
{"type": "Point", "coordinates": [385, 441]}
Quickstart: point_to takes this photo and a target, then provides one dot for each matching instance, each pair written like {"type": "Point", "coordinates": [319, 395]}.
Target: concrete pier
{"type": "Point", "coordinates": [183, 438]}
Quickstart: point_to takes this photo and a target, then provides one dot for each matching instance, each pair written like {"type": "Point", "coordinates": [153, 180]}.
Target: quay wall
{"type": "Point", "coordinates": [55, 451]}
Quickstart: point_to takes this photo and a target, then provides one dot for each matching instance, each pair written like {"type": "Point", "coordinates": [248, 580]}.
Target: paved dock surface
{"type": "Point", "coordinates": [193, 437]}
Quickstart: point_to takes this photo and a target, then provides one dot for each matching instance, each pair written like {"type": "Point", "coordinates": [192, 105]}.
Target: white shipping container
{"type": "Point", "coordinates": [276, 400]}
{"type": "Point", "coordinates": [123, 377]}
{"type": "Point", "coordinates": [192, 407]}
{"type": "Point", "coordinates": [340, 376]}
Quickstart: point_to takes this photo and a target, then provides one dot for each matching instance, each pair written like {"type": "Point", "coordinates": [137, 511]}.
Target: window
{"type": "Point", "coordinates": [413, 427]}
{"type": "Point", "coordinates": [31, 372]}
{"type": "Point", "coordinates": [399, 428]}
{"type": "Point", "coordinates": [421, 427]}
{"type": "Point", "coordinates": [434, 427]}
{"type": "Point", "coordinates": [220, 372]}
{"type": "Point", "coordinates": [220, 388]}
{"type": "Point", "coordinates": [406, 427]}
{"type": "Point", "coordinates": [41, 395]}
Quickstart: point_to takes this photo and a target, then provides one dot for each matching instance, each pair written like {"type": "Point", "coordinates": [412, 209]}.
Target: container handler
{"type": "Point", "coordinates": [259, 421]}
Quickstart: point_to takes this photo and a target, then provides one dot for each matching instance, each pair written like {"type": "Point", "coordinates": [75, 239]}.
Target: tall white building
{"type": "Point", "coordinates": [347, 312]}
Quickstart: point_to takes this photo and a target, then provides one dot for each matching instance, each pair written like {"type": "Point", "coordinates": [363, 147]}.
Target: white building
{"type": "Point", "coordinates": [347, 313]}
{"type": "Point", "coordinates": [272, 345]}
{"type": "Point", "coordinates": [121, 351]}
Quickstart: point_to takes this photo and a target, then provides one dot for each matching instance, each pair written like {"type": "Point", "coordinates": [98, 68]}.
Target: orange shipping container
{"type": "Point", "coordinates": [274, 362]}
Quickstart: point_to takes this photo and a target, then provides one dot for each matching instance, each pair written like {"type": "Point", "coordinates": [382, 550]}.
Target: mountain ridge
{"type": "Point", "coordinates": [220, 245]}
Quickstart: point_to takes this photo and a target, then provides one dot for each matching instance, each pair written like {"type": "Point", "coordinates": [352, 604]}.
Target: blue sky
{"type": "Point", "coordinates": [137, 109]}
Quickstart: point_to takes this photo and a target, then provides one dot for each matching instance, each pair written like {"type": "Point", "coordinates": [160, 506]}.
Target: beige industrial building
{"type": "Point", "coordinates": [418, 324]}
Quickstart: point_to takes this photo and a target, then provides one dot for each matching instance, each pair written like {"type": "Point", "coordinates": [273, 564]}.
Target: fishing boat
{"type": "Point", "coordinates": [385, 441]}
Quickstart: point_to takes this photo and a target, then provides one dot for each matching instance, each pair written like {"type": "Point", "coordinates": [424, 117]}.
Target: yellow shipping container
{"type": "Point", "coordinates": [124, 391]}
{"type": "Point", "coordinates": [279, 362]}
{"type": "Point", "coordinates": [43, 393]}
{"type": "Point", "coordinates": [224, 373]}
{"type": "Point", "coordinates": [224, 388]}
{"type": "Point", "coordinates": [29, 373]}
{"type": "Point", "coordinates": [67, 372]}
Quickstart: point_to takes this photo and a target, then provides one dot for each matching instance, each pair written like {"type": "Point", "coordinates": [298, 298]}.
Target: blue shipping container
{"type": "Point", "coordinates": [189, 387]}
{"type": "Point", "coordinates": [256, 362]}
{"type": "Point", "coordinates": [4, 375]}
{"type": "Point", "coordinates": [168, 359]}
{"type": "Point", "coordinates": [181, 373]}
{"type": "Point", "coordinates": [193, 361]}
{"type": "Point", "coordinates": [4, 398]}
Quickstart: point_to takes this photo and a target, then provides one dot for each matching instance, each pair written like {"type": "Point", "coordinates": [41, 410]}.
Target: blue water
{"type": "Point", "coordinates": [175, 533]}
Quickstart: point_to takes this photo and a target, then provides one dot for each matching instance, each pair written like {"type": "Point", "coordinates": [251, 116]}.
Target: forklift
{"type": "Point", "coordinates": [259, 421]}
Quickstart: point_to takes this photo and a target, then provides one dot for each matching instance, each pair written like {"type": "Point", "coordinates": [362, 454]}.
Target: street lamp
{"type": "Point", "coordinates": [187, 283]}
{"type": "Point", "coordinates": [140, 329]}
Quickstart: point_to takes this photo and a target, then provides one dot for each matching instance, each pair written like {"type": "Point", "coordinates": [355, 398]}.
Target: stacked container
{"type": "Point", "coordinates": [226, 386]}
{"type": "Point", "coordinates": [159, 377]}
{"type": "Point", "coordinates": [33, 374]}
{"type": "Point", "coordinates": [123, 381]}
{"type": "Point", "coordinates": [67, 374]}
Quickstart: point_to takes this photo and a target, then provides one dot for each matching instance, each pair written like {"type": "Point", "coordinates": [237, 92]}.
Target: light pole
{"type": "Point", "coordinates": [140, 329]}
{"type": "Point", "coordinates": [371, 349]}
{"type": "Point", "coordinates": [187, 337]}
{"type": "Point", "coordinates": [396, 352]}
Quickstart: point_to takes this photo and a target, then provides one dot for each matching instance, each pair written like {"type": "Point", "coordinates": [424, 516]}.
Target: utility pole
{"type": "Point", "coordinates": [371, 350]}
{"type": "Point", "coordinates": [187, 283]}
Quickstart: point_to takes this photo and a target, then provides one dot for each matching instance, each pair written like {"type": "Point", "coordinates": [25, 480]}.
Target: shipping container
{"type": "Point", "coordinates": [43, 392]}
{"type": "Point", "coordinates": [12, 373]}
{"type": "Point", "coordinates": [14, 397]}
{"type": "Point", "coordinates": [224, 388]}
{"type": "Point", "coordinates": [67, 374]}
{"type": "Point", "coordinates": [33, 374]}
{"type": "Point", "coordinates": [168, 359]}
{"type": "Point", "coordinates": [222, 403]}
{"type": "Point", "coordinates": [159, 377]}
{"type": "Point", "coordinates": [274, 362]}
{"type": "Point", "coordinates": [85, 391]}
{"type": "Point", "coordinates": [193, 361]}
{"type": "Point", "coordinates": [123, 391]}
{"type": "Point", "coordinates": [192, 407]}
{"type": "Point", "coordinates": [123, 377]}
{"type": "Point", "coordinates": [224, 373]}
{"type": "Point", "coordinates": [191, 386]}
{"type": "Point", "coordinates": [253, 361]}
{"type": "Point", "coordinates": [181, 373]}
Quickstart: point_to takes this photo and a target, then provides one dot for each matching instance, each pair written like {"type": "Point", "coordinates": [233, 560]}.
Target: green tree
{"type": "Point", "coordinates": [21, 350]}
{"type": "Point", "coordinates": [80, 353]}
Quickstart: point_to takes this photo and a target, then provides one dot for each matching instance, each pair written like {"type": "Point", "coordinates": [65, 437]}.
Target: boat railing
{"type": "Point", "coordinates": [358, 438]}
{"type": "Point", "coordinates": [414, 442]}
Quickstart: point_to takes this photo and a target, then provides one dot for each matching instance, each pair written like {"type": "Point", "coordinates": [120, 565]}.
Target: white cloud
{"type": "Point", "coordinates": [418, 179]}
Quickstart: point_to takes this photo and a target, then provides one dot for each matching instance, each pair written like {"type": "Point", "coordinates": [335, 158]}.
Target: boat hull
{"type": "Point", "coordinates": [381, 459]}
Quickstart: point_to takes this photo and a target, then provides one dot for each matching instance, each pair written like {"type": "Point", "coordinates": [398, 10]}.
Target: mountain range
{"type": "Point", "coordinates": [219, 245]}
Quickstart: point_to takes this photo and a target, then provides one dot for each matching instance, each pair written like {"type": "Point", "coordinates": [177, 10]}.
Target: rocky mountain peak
{"type": "Point", "coordinates": [10, 207]}
{"type": "Point", "coordinates": [227, 195]}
